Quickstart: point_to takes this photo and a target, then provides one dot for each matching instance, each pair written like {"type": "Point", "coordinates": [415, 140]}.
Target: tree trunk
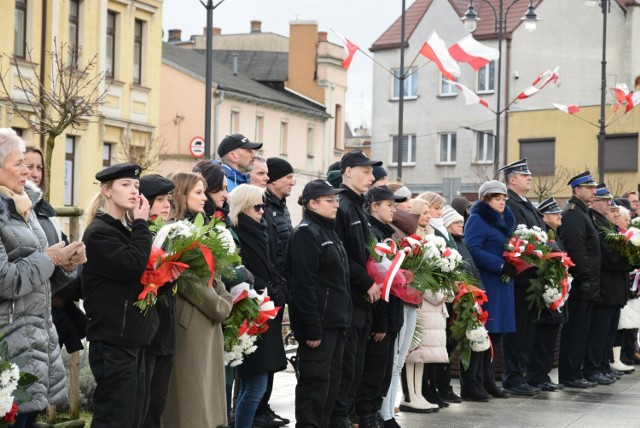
{"type": "Point", "coordinates": [48, 153]}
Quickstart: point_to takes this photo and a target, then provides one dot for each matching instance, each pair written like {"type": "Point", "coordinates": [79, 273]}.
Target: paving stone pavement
{"type": "Point", "coordinates": [616, 405]}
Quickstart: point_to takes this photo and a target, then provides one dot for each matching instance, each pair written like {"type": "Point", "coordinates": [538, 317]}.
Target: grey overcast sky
{"type": "Point", "coordinates": [361, 21]}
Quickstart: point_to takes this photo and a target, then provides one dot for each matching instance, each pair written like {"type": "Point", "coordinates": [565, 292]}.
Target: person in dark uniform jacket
{"type": "Point", "coordinates": [319, 303]}
{"type": "Point", "coordinates": [612, 296]}
{"type": "Point", "coordinates": [353, 229]}
{"type": "Point", "coordinates": [158, 356]}
{"type": "Point", "coordinates": [580, 238]}
{"type": "Point", "coordinates": [548, 325]}
{"type": "Point", "coordinates": [117, 255]}
{"type": "Point", "coordinates": [517, 346]}
{"type": "Point", "coordinates": [389, 317]}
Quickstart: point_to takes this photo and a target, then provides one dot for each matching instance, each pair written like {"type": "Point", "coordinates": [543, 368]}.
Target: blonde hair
{"type": "Point", "coordinates": [98, 202]}
{"type": "Point", "coordinates": [241, 198]}
{"type": "Point", "coordinates": [433, 198]}
{"type": "Point", "coordinates": [185, 182]}
{"type": "Point", "coordinates": [417, 205]}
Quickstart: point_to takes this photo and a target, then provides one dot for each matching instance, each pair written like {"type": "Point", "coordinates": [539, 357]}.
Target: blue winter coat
{"type": "Point", "coordinates": [485, 234]}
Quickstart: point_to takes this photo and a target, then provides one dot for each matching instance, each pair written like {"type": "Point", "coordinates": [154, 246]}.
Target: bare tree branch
{"type": "Point", "coordinates": [69, 96]}
{"type": "Point", "coordinates": [145, 152]}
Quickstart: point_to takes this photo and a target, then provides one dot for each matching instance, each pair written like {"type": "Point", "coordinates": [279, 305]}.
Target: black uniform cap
{"type": "Point", "coordinates": [121, 170]}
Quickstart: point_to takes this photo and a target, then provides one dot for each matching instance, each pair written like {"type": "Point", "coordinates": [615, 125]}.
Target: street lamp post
{"type": "Point", "coordinates": [401, 80]}
{"type": "Point", "coordinates": [470, 20]}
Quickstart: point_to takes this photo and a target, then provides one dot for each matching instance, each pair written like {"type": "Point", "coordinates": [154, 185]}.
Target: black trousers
{"type": "Point", "coordinates": [489, 361]}
{"type": "Point", "coordinates": [517, 346]}
{"type": "Point", "coordinates": [376, 376]}
{"type": "Point", "coordinates": [602, 333]}
{"type": "Point", "coordinates": [157, 374]}
{"type": "Point", "coordinates": [573, 340]}
{"type": "Point", "coordinates": [628, 339]}
{"type": "Point", "coordinates": [541, 361]}
{"type": "Point", "coordinates": [353, 361]}
{"type": "Point", "coordinates": [119, 395]}
{"type": "Point", "coordinates": [471, 378]}
{"type": "Point", "coordinates": [320, 372]}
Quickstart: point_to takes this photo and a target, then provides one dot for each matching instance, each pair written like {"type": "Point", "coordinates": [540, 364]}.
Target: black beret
{"type": "Point", "coordinates": [153, 185]}
{"type": "Point", "coordinates": [121, 170]}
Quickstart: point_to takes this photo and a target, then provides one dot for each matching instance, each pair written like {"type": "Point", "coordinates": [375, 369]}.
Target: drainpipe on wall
{"type": "Point", "coordinates": [43, 56]}
{"type": "Point", "coordinates": [216, 126]}
{"type": "Point", "coordinates": [507, 84]}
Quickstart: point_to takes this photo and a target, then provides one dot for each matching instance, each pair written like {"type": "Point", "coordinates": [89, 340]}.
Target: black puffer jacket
{"type": "Point", "coordinates": [614, 272]}
{"type": "Point", "coordinates": [580, 238]}
{"type": "Point", "coordinates": [388, 316]}
{"type": "Point", "coordinates": [278, 218]}
{"type": "Point", "coordinates": [353, 229]}
{"type": "Point", "coordinates": [116, 259]}
{"type": "Point", "coordinates": [318, 269]}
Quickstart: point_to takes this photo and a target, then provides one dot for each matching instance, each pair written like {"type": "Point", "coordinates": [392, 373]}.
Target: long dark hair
{"type": "Point", "coordinates": [214, 176]}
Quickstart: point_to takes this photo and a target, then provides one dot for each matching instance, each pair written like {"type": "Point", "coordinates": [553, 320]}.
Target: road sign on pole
{"type": "Point", "coordinates": [197, 147]}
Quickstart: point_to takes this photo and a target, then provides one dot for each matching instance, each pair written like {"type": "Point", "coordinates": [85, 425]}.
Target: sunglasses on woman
{"type": "Point", "coordinates": [259, 207]}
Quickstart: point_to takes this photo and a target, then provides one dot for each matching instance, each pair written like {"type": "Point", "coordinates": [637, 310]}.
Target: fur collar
{"type": "Point", "coordinates": [506, 222]}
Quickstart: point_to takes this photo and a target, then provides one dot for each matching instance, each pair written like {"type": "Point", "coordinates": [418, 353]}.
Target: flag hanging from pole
{"type": "Point", "coordinates": [435, 50]}
{"type": "Point", "coordinates": [470, 97]}
{"type": "Point", "coordinates": [569, 109]}
{"type": "Point", "coordinates": [350, 48]}
{"type": "Point", "coordinates": [474, 53]}
{"type": "Point", "coordinates": [541, 81]}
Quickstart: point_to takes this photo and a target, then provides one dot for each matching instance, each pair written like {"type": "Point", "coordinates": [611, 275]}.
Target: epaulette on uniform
{"type": "Point", "coordinates": [572, 206]}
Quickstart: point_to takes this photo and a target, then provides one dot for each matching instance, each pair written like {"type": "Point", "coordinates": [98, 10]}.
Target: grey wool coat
{"type": "Point", "coordinates": [27, 281]}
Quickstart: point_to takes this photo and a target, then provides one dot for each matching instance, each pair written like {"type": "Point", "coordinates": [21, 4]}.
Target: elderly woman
{"type": "Point", "coordinates": [30, 272]}
{"type": "Point", "coordinates": [488, 228]}
{"type": "Point", "coordinates": [247, 209]}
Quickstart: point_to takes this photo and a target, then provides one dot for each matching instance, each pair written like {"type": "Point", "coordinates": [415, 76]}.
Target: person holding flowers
{"type": "Point", "coordinates": [548, 325]}
{"type": "Point", "coordinates": [158, 355]}
{"type": "Point", "coordinates": [118, 243]}
{"type": "Point", "coordinates": [490, 224]}
{"type": "Point", "coordinates": [612, 296]}
{"type": "Point", "coordinates": [320, 303]}
{"type": "Point", "coordinates": [387, 319]}
{"type": "Point", "coordinates": [246, 215]}
{"type": "Point", "coordinates": [197, 387]}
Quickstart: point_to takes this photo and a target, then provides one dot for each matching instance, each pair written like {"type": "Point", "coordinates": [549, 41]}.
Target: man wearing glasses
{"type": "Point", "coordinates": [353, 229]}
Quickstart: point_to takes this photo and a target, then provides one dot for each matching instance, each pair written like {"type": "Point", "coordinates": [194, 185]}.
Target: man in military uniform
{"type": "Point", "coordinates": [517, 346]}
{"type": "Point", "coordinates": [580, 238]}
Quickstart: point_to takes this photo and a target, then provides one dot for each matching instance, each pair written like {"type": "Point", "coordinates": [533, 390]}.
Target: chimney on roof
{"type": "Point", "coordinates": [175, 35]}
{"type": "Point", "coordinates": [215, 31]}
{"type": "Point", "coordinates": [322, 36]}
{"type": "Point", "coordinates": [256, 26]}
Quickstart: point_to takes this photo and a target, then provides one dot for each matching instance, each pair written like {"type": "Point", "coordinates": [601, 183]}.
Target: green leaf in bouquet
{"type": "Point", "coordinates": [198, 221]}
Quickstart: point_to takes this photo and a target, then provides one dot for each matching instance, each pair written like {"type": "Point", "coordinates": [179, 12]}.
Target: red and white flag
{"type": "Point", "coordinates": [437, 51]}
{"type": "Point", "coordinates": [474, 53]}
{"type": "Point", "coordinates": [350, 48]}
{"type": "Point", "coordinates": [541, 81]}
{"type": "Point", "coordinates": [633, 99]}
{"type": "Point", "coordinates": [470, 97]}
{"type": "Point", "coordinates": [569, 108]}
{"type": "Point", "coordinates": [621, 91]}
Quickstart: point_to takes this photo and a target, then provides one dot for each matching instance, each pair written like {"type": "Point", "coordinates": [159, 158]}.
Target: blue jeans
{"type": "Point", "coordinates": [252, 389]}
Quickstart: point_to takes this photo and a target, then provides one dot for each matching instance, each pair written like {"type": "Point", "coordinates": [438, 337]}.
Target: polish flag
{"type": "Point", "coordinates": [470, 97]}
{"type": "Point", "coordinates": [474, 53]}
{"type": "Point", "coordinates": [350, 48]}
{"type": "Point", "coordinates": [621, 91]}
{"type": "Point", "coordinates": [436, 51]}
{"type": "Point", "coordinates": [633, 99]}
{"type": "Point", "coordinates": [541, 81]}
{"type": "Point", "coordinates": [569, 109]}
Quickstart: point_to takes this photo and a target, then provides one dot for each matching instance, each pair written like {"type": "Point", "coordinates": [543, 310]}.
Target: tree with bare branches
{"type": "Point", "coordinates": [545, 186]}
{"type": "Point", "coordinates": [70, 95]}
{"type": "Point", "coordinates": [143, 151]}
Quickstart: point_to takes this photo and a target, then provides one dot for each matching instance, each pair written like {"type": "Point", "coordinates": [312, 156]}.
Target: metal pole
{"type": "Point", "coordinates": [603, 87]}
{"type": "Point", "coordinates": [208, 81]}
{"type": "Point", "coordinates": [496, 144]}
{"type": "Point", "coordinates": [401, 93]}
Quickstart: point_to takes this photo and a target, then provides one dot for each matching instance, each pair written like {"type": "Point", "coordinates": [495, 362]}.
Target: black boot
{"type": "Point", "coordinates": [429, 391]}
{"type": "Point", "coordinates": [372, 420]}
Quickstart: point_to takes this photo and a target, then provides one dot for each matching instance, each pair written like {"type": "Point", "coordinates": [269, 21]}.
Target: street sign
{"type": "Point", "coordinates": [196, 147]}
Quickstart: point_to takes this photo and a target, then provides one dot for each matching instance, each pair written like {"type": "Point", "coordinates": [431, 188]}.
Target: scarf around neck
{"type": "Point", "coordinates": [22, 201]}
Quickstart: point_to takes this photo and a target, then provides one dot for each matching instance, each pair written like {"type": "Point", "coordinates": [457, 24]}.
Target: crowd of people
{"type": "Point", "coordinates": [165, 367]}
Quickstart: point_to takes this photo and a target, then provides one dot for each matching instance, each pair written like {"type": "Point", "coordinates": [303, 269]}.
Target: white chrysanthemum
{"type": "Point", "coordinates": [478, 334]}
{"type": "Point", "coordinates": [227, 238]}
{"type": "Point", "coordinates": [635, 240]}
{"type": "Point", "coordinates": [6, 401]}
{"type": "Point", "coordinates": [480, 346]}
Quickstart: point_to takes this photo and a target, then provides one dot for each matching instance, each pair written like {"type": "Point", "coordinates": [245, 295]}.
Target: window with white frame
{"type": "Point", "coordinates": [234, 123]}
{"type": "Point", "coordinates": [310, 142]}
{"type": "Point", "coordinates": [484, 147]}
{"type": "Point", "coordinates": [447, 89]}
{"type": "Point", "coordinates": [259, 137]}
{"type": "Point", "coordinates": [74, 32]}
{"type": "Point", "coordinates": [138, 31]}
{"type": "Point", "coordinates": [20, 29]}
{"type": "Point", "coordinates": [284, 137]}
{"type": "Point", "coordinates": [448, 147]}
{"type": "Point", "coordinates": [69, 169]}
{"type": "Point", "coordinates": [486, 78]}
{"type": "Point", "coordinates": [410, 83]}
{"type": "Point", "coordinates": [106, 154]}
{"type": "Point", "coordinates": [408, 149]}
